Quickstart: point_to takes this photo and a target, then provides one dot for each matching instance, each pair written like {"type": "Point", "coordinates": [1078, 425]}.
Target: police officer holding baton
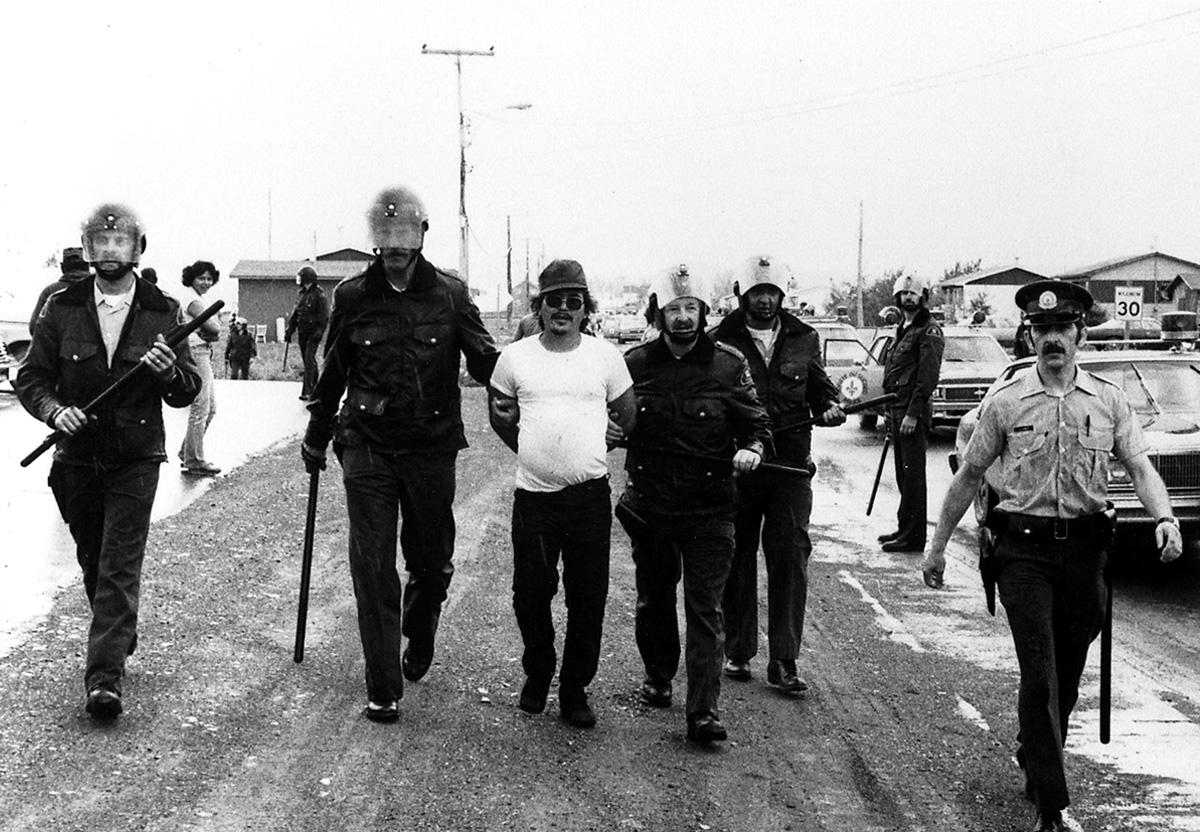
{"type": "Point", "coordinates": [1053, 427]}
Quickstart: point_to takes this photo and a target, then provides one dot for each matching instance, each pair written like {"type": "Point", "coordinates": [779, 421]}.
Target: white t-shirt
{"type": "Point", "coordinates": [563, 397]}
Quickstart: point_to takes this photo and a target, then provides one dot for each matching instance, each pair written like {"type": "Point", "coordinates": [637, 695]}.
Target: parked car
{"type": "Point", "coordinates": [1164, 390]}
{"type": "Point", "coordinates": [971, 362]}
{"type": "Point", "coordinates": [857, 374]}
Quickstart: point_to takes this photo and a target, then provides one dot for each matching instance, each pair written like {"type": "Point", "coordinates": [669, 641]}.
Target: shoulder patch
{"type": "Point", "coordinates": [934, 330]}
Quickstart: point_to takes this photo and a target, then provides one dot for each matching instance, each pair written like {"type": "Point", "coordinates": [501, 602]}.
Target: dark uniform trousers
{"type": "Point", "coordinates": [108, 513]}
{"type": "Point", "coordinates": [700, 548]}
{"type": "Point", "coordinates": [575, 524]}
{"type": "Point", "coordinates": [778, 508]}
{"type": "Point", "coordinates": [309, 341]}
{"type": "Point", "coordinates": [416, 490]}
{"type": "Point", "coordinates": [909, 457]}
{"type": "Point", "coordinates": [1053, 593]}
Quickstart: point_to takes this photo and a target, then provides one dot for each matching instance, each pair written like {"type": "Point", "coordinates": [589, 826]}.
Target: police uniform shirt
{"type": "Point", "coordinates": [111, 311]}
{"type": "Point", "coordinates": [1054, 450]}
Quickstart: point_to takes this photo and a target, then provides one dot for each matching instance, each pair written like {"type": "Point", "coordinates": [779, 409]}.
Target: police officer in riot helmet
{"type": "Point", "coordinates": [397, 333]}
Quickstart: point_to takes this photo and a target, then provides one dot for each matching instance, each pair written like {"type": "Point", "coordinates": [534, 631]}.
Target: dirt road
{"type": "Point", "coordinates": [224, 732]}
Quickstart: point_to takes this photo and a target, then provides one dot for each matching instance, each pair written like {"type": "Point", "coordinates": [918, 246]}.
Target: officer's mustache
{"type": "Point", "coordinates": [1053, 349]}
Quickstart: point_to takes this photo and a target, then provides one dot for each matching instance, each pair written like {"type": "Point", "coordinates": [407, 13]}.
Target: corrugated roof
{"type": "Point", "coordinates": [983, 274]}
{"type": "Point", "coordinates": [286, 269]}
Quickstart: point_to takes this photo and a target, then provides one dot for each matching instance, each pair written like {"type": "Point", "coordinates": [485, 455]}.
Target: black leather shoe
{"type": "Point", "coordinates": [382, 711]}
{"type": "Point", "coordinates": [656, 695]}
{"type": "Point", "coordinates": [533, 696]}
{"type": "Point", "coordinates": [897, 545]}
{"type": "Point", "coordinates": [782, 674]}
{"type": "Point", "coordinates": [884, 538]}
{"type": "Point", "coordinates": [415, 665]}
{"type": "Point", "coordinates": [737, 670]}
{"type": "Point", "coordinates": [1050, 822]}
{"type": "Point", "coordinates": [576, 711]}
{"type": "Point", "coordinates": [103, 703]}
{"type": "Point", "coordinates": [705, 728]}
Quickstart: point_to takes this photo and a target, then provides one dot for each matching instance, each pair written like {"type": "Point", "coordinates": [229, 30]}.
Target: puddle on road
{"type": "Point", "coordinates": [1150, 736]}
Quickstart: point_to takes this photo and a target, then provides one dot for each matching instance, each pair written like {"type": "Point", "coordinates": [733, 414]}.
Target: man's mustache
{"type": "Point", "coordinates": [1053, 349]}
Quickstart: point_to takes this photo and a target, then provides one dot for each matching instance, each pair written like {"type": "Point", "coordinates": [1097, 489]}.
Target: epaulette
{"type": "Point", "coordinates": [1100, 378]}
{"type": "Point", "coordinates": [449, 274]}
{"type": "Point", "coordinates": [734, 351]}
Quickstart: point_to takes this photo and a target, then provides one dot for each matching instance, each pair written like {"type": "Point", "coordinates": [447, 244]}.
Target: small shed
{"type": "Point", "coordinates": [267, 288]}
{"type": "Point", "coordinates": [998, 286]}
{"type": "Point", "coordinates": [1156, 273]}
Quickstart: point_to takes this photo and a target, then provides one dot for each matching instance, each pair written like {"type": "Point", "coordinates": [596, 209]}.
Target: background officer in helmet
{"type": "Point", "coordinates": [397, 334]}
{"type": "Point", "coordinates": [1054, 427]}
{"type": "Point", "coordinates": [784, 355]}
{"type": "Point", "coordinates": [308, 319]}
{"type": "Point", "coordinates": [695, 400]}
{"type": "Point", "coordinates": [914, 362]}
{"type": "Point", "coordinates": [105, 470]}
{"type": "Point", "coordinates": [74, 269]}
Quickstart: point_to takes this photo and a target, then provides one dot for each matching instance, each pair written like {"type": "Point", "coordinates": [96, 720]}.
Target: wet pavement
{"type": "Point", "coordinates": [37, 558]}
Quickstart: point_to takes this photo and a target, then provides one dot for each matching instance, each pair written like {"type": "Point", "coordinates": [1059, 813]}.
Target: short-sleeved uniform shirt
{"type": "Point", "coordinates": [1054, 450]}
{"type": "Point", "coordinates": [564, 399]}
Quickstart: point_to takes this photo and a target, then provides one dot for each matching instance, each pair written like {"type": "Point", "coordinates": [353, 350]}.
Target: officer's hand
{"type": "Point", "coordinates": [161, 359]}
{"type": "Point", "coordinates": [1169, 540]}
{"type": "Point", "coordinates": [833, 416]}
{"type": "Point", "coordinates": [934, 568]}
{"type": "Point", "coordinates": [745, 461]}
{"type": "Point", "coordinates": [908, 425]}
{"type": "Point", "coordinates": [70, 420]}
{"type": "Point", "coordinates": [287, 337]}
{"type": "Point", "coordinates": [613, 435]}
{"type": "Point", "coordinates": [505, 411]}
{"type": "Point", "coordinates": [314, 458]}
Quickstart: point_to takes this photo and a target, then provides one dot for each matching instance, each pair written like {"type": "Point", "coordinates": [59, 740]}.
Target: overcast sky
{"type": "Point", "coordinates": [659, 133]}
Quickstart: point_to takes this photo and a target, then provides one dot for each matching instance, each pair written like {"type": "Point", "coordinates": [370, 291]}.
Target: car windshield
{"type": "Point", "coordinates": [839, 351]}
{"type": "Point", "coordinates": [1165, 393]}
{"type": "Point", "coordinates": [981, 348]}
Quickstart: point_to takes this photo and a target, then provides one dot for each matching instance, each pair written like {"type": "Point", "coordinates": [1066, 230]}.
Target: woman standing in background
{"type": "Point", "coordinates": [198, 278]}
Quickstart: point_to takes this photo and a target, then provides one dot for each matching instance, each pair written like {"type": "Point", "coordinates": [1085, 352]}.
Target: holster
{"type": "Point", "coordinates": [634, 524]}
{"type": "Point", "coordinates": [989, 564]}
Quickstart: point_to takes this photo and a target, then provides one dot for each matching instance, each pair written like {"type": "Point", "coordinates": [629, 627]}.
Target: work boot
{"type": "Point", "coordinates": [781, 673]}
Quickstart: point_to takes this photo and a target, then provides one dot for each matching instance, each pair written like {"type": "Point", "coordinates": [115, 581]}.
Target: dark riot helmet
{"type": "Point", "coordinates": [113, 232]}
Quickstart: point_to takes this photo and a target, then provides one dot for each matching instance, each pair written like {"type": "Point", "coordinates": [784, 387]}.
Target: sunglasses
{"type": "Point", "coordinates": [572, 303]}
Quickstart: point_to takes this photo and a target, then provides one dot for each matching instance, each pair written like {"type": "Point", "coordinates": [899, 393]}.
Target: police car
{"type": "Point", "coordinates": [1163, 388]}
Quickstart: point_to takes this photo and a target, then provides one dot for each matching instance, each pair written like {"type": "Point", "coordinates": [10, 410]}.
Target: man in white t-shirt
{"type": "Point", "coordinates": [552, 397]}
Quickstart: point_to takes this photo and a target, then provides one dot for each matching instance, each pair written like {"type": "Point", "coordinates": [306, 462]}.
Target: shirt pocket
{"type": "Point", "coordinates": [1027, 465]}
{"type": "Point", "coordinates": [369, 402]}
{"type": "Point", "coordinates": [1095, 450]}
{"type": "Point", "coordinates": [704, 420]}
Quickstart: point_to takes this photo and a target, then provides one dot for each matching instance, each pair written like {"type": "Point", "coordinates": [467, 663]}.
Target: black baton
{"type": "Point", "coordinates": [887, 440]}
{"type": "Point", "coordinates": [173, 339]}
{"type": "Point", "coordinates": [310, 524]}
{"type": "Point", "coordinates": [849, 409]}
{"type": "Point", "coordinates": [1106, 662]}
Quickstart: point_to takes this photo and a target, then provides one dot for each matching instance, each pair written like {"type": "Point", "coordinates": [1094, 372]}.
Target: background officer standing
{"type": "Point", "coordinates": [1053, 428]}
{"type": "Point", "coordinates": [914, 362]}
{"type": "Point", "coordinates": [397, 334]}
{"type": "Point", "coordinates": [699, 424]}
{"type": "Point", "coordinates": [105, 470]}
{"type": "Point", "coordinates": [784, 355]}
{"type": "Point", "coordinates": [308, 319]}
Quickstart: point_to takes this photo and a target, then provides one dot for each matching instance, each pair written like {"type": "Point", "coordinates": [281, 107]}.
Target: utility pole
{"type": "Point", "coordinates": [508, 264]}
{"type": "Point", "coordinates": [860, 277]}
{"type": "Point", "coordinates": [464, 227]}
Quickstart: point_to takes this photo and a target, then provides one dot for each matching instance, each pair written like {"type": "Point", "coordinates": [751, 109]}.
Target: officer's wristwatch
{"type": "Point", "coordinates": [1174, 521]}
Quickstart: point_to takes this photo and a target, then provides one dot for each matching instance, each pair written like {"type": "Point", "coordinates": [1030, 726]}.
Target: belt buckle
{"type": "Point", "coordinates": [1060, 528]}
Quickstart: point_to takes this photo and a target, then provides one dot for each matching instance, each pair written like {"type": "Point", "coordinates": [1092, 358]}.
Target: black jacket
{"type": "Point", "coordinates": [396, 356]}
{"type": "Point", "coordinates": [311, 314]}
{"type": "Point", "coordinates": [794, 386]}
{"type": "Point", "coordinates": [914, 362]}
{"type": "Point", "coordinates": [704, 404]}
{"type": "Point", "coordinates": [67, 366]}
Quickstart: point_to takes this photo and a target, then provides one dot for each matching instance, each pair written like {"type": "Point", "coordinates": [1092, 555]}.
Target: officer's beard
{"type": "Point", "coordinates": [757, 315]}
{"type": "Point", "coordinates": [114, 275]}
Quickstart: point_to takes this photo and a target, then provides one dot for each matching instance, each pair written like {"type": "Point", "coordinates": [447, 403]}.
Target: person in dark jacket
{"type": "Point", "coordinates": [914, 362]}
{"type": "Point", "coordinates": [105, 469]}
{"type": "Point", "coordinates": [74, 269]}
{"type": "Point", "coordinates": [696, 401]}
{"type": "Point", "coordinates": [784, 355]}
{"type": "Point", "coordinates": [397, 334]}
{"type": "Point", "coordinates": [240, 349]}
{"type": "Point", "coordinates": [308, 319]}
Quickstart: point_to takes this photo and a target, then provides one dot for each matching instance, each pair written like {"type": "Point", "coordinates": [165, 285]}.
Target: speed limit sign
{"type": "Point", "coordinates": [1128, 303]}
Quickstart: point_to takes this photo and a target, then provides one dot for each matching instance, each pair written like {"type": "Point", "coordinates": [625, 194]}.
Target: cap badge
{"type": "Point", "coordinates": [1047, 300]}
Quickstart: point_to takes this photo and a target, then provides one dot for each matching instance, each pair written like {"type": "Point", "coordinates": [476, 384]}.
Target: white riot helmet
{"type": "Point", "coordinates": [679, 282]}
{"type": "Point", "coordinates": [398, 219]}
{"type": "Point", "coordinates": [762, 271]}
{"type": "Point", "coordinates": [911, 283]}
